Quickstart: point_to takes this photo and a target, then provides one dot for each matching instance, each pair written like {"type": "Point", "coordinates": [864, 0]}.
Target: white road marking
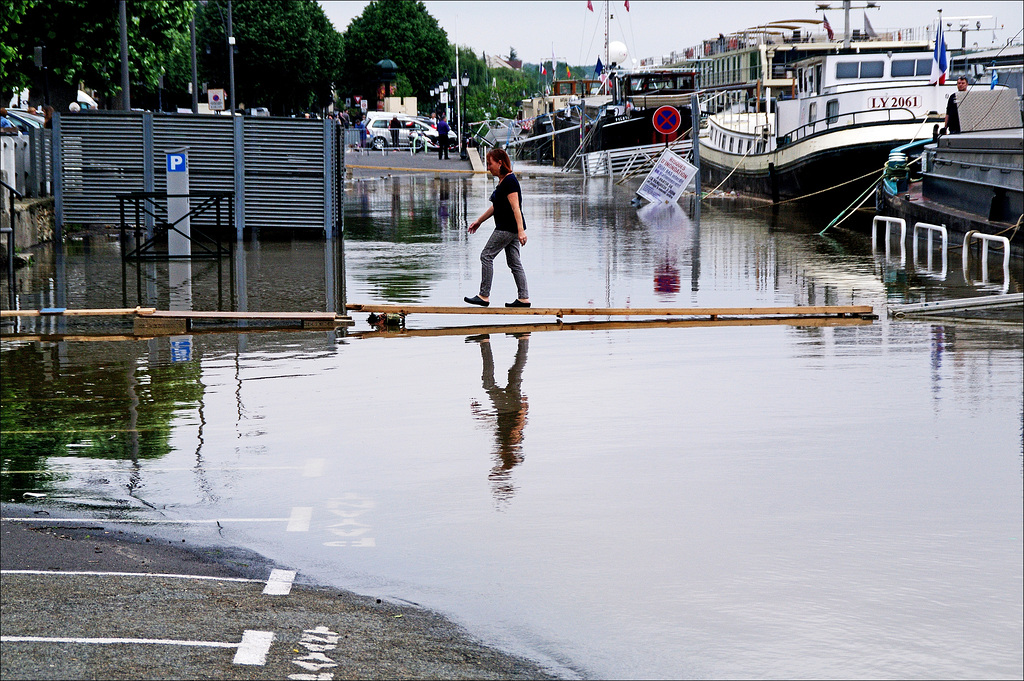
{"type": "Point", "coordinates": [161, 575]}
{"type": "Point", "coordinates": [108, 641]}
{"type": "Point", "coordinates": [279, 583]}
{"type": "Point", "coordinates": [252, 650]}
{"type": "Point", "coordinates": [254, 647]}
{"type": "Point", "coordinates": [151, 521]}
{"type": "Point", "coordinates": [314, 468]}
{"type": "Point", "coordinates": [156, 469]}
{"type": "Point", "coordinates": [300, 519]}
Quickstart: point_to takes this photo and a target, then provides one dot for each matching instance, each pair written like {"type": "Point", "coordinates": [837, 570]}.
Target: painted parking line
{"type": "Point", "coordinates": [279, 583]}
{"type": "Point", "coordinates": [313, 468]}
{"type": "Point", "coordinates": [251, 650]}
{"type": "Point", "coordinates": [298, 521]}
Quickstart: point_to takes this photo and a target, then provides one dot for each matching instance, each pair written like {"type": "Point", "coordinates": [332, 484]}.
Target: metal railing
{"type": "Point", "coordinates": [985, 240]}
{"type": "Point", "coordinates": [145, 204]}
{"type": "Point", "coordinates": [889, 223]}
{"type": "Point", "coordinates": [843, 121]}
{"type": "Point", "coordinates": [12, 193]}
{"type": "Point", "coordinates": [931, 230]}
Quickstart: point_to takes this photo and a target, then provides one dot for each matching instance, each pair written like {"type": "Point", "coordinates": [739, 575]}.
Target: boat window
{"type": "Point", "coordinates": [812, 112]}
{"type": "Point", "coordinates": [872, 69]}
{"type": "Point", "coordinates": [902, 68]}
{"type": "Point", "coordinates": [832, 110]}
{"type": "Point", "coordinates": [924, 67]}
{"type": "Point", "coordinates": [732, 140]}
{"type": "Point", "coordinates": [847, 69]}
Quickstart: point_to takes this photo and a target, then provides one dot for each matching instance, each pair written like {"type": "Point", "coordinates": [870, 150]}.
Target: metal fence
{"type": "Point", "coordinates": [26, 162]}
{"type": "Point", "coordinates": [285, 173]}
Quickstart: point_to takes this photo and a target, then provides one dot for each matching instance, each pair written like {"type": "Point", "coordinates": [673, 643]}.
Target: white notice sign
{"type": "Point", "coordinates": [215, 98]}
{"type": "Point", "coordinates": [666, 182]}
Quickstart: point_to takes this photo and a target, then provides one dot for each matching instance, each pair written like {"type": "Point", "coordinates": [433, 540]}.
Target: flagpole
{"type": "Point", "coordinates": [607, 14]}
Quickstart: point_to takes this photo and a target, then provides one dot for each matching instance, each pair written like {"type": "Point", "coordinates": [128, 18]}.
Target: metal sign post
{"type": "Point", "coordinates": [179, 234]}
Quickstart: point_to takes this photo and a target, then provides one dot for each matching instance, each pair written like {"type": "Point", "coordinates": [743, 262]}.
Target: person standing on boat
{"type": "Point", "coordinates": [509, 231]}
{"type": "Point", "coordinates": [952, 114]}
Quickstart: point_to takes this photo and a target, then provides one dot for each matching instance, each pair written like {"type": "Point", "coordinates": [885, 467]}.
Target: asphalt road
{"type": "Point", "coordinates": [194, 612]}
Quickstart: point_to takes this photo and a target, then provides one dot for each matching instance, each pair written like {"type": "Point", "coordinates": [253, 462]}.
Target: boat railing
{"type": "Point", "coordinates": [847, 120]}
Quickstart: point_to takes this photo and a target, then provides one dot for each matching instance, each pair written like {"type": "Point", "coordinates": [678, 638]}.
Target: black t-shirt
{"type": "Point", "coordinates": [504, 218]}
{"type": "Point", "coordinates": [954, 115]}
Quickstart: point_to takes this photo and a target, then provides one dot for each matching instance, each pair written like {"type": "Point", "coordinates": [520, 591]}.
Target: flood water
{"type": "Point", "coordinates": [648, 502]}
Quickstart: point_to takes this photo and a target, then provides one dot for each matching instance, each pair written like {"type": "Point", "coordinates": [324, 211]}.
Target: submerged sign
{"type": "Point", "coordinates": [668, 179]}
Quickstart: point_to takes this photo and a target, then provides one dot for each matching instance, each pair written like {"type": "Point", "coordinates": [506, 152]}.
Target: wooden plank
{"type": "Point", "coordinates": [145, 324]}
{"type": "Point", "coordinates": [611, 326]}
{"type": "Point", "coordinates": [101, 312]}
{"type": "Point", "coordinates": [616, 311]}
{"type": "Point", "coordinates": [223, 314]}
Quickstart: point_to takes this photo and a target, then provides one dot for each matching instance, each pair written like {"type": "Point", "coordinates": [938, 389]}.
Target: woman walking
{"type": "Point", "coordinates": [509, 231]}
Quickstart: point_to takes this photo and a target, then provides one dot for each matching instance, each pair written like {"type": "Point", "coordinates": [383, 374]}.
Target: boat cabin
{"type": "Point", "coordinates": [646, 89]}
{"type": "Point", "coordinates": [579, 88]}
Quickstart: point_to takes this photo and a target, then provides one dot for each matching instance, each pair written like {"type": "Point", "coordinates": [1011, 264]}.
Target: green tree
{"type": "Point", "coordinates": [404, 32]}
{"type": "Point", "coordinates": [83, 44]}
{"type": "Point", "coordinates": [288, 56]}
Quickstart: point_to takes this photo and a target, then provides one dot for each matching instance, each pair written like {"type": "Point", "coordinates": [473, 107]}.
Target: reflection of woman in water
{"type": "Point", "coordinates": [509, 415]}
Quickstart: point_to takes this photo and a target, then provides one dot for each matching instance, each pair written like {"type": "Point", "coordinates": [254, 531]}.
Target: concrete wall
{"type": "Point", "coordinates": [33, 223]}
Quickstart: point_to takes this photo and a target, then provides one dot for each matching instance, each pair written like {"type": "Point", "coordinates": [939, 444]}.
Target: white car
{"type": "Point", "coordinates": [378, 131]}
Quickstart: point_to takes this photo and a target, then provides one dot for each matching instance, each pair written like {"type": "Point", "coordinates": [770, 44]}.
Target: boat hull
{"type": "Point", "coordinates": [834, 167]}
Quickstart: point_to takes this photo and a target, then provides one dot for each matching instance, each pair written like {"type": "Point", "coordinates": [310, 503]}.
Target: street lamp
{"type": "Point", "coordinates": [463, 128]}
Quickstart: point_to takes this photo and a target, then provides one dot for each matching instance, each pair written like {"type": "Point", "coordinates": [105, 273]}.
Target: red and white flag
{"type": "Point", "coordinates": [828, 29]}
{"type": "Point", "coordinates": [590, 5]}
{"type": "Point", "coordinates": [627, 5]}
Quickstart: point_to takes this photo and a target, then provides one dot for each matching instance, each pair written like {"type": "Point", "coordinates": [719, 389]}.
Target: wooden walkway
{"type": "Point", "coordinates": [560, 312]}
{"type": "Point", "coordinates": [150, 320]}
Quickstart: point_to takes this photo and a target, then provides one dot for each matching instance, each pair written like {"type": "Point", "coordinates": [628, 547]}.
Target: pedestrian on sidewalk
{"type": "Point", "coordinates": [442, 137]}
{"type": "Point", "coordinates": [395, 126]}
{"type": "Point", "coordinates": [509, 231]}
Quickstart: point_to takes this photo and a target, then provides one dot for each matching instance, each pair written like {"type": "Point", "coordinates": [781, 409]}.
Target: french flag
{"type": "Point", "coordinates": [939, 62]}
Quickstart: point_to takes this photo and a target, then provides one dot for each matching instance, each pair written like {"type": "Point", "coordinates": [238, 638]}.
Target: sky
{"type": "Point", "coordinates": [653, 28]}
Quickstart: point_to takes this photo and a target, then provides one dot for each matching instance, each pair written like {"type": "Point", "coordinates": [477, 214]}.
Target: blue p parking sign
{"type": "Point", "coordinates": [176, 163]}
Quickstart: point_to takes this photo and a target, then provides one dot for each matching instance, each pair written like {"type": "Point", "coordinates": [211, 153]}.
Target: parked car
{"type": "Point", "coordinates": [378, 131]}
{"type": "Point", "coordinates": [24, 121]}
